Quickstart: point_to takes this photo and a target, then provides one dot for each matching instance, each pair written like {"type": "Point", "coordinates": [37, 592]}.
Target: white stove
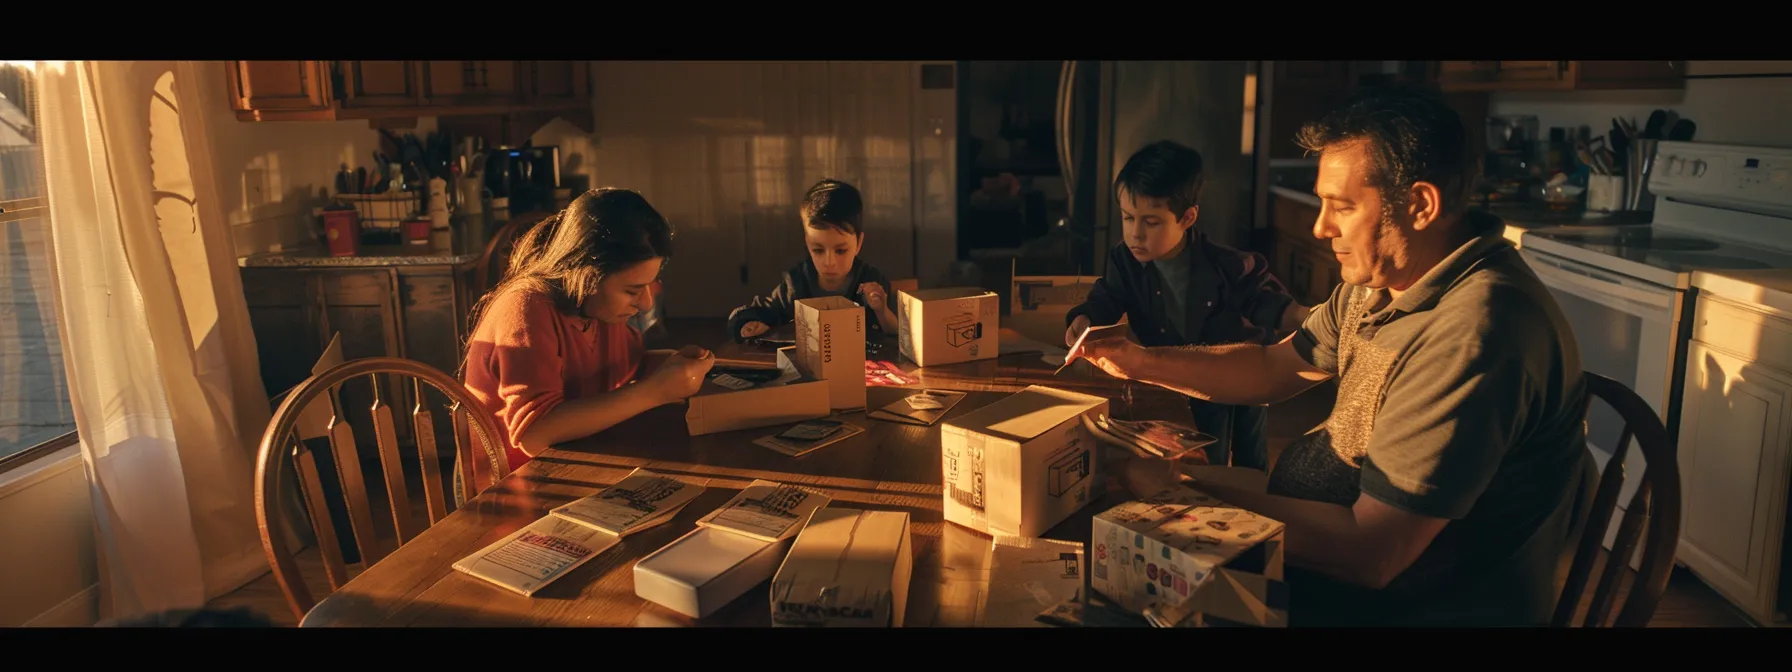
{"type": "Point", "coordinates": [1719, 207]}
{"type": "Point", "coordinates": [1628, 290]}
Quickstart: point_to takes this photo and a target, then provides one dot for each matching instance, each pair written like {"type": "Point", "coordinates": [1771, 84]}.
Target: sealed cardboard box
{"type": "Point", "coordinates": [1021, 465]}
{"type": "Point", "coordinates": [706, 569]}
{"type": "Point", "coordinates": [1185, 558]}
{"type": "Point", "coordinates": [739, 399]}
{"type": "Point", "coordinates": [848, 568]}
{"type": "Point", "coordinates": [830, 346]}
{"type": "Point", "coordinates": [949, 325]}
{"type": "Point", "coordinates": [1038, 304]}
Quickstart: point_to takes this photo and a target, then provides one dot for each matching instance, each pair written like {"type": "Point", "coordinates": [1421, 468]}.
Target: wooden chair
{"type": "Point", "coordinates": [1656, 505]}
{"type": "Point", "coordinates": [280, 447]}
{"type": "Point", "coordinates": [496, 258]}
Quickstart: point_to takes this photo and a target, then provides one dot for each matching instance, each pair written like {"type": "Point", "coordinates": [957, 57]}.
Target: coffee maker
{"type": "Point", "coordinates": [526, 175]}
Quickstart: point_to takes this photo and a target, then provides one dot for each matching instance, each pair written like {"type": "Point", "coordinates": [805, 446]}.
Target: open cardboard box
{"type": "Point", "coordinates": [830, 346]}
{"type": "Point", "coordinates": [716, 408]}
{"type": "Point", "coordinates": [1038, 304]}
{"type": "Point", "coordinates": [1023, 464]}
{"type": "Point", "coordinates": [1190, 559]}
{"type": "Point", "coordinates": [849, 567]}
{"type": "Point", "coordinates": [948, 325]}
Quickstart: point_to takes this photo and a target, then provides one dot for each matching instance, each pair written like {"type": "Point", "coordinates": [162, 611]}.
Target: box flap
{"type": "Point", "coordinates": [1026, 414]}
{"type": "Point", "coordinates": [950, 293]}
{"type": "Point", "coordinates": [842, 567]}
{"type": "Point", "coordinates": [830, 303]}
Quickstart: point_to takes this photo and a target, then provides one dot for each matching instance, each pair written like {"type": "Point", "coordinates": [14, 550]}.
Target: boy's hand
{"type": "Point", "coordinates": [693, 352]}
{"type": "Point", "coordinates": [752, 329]}
{"type": "Point", "coordinates": [1077, 327]}
{"type": "Point", "coordinates": [874, 295]}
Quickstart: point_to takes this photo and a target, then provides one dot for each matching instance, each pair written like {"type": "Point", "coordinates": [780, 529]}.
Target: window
{"type": "Point", "coordinates": [35, 415]}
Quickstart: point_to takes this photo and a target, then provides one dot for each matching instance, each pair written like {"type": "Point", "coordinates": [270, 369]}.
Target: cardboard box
{"type": "Point", "coordinates": [706, 569]}
{"type": "Point", "coordinates": [1192, 558]}
{"type": "Point", "coordinates": [1038, 304]}
{"type": "Point", "coordinates": [949, 325]}
{"type": "Point", "coordinates": [848, 568]}
{"type": "Point", "coordinates": [793, 398]}
{"type": "Point", "coordinates": [1021, 465]}
{"type": "Point", "coordinates": [830, 346]}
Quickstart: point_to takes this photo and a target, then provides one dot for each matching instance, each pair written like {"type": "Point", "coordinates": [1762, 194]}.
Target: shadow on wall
{"type": "Point", "coordinates": [272, 174]}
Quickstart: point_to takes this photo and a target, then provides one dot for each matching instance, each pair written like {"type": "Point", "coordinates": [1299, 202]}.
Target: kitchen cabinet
{"type": "Point", "coordinates": [375, 90]}
{"type": "Point", "coordinates": [1735, 454]}
{"type": "Point", "coordinates": [412, 311]}
{"type": "Point", "coordinates": [463, 84]}
{"type": "Point", "coordinates": [1558, 75]}
{"type": "Point", "coordinates": [1304, 263]}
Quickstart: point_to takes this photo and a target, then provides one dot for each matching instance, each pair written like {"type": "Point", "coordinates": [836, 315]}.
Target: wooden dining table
{"type": "Point", "coordinates": [891, 466]}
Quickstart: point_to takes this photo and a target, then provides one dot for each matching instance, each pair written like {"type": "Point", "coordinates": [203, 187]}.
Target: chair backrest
{"type": "Point", "coordinates": [496, 257]}
{"type": "Point", "coordinates": [1655, 505]}
{"type": "Point", "coordinates": [282, 448]}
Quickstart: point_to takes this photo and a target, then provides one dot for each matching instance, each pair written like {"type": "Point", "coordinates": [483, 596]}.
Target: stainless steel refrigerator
{"type": "Point", "coordinates": [1109, 109]}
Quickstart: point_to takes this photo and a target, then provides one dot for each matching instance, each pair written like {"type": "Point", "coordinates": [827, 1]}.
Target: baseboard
{"type": "Point", "coordinates": [80, 611]}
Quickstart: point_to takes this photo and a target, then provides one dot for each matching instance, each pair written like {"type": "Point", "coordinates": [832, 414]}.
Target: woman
{"type": "Point", "coordinates": [553, 354]}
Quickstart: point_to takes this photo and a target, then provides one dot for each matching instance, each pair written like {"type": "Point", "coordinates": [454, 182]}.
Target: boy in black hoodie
{"type": "Point", "coordinates": [1178, 288]}
{"type": "Point", "coordinates": [833, 230]}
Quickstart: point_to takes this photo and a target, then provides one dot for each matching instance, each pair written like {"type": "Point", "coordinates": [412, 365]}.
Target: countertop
{"type": "Point", "coordinates": [463, 243]}
{"type": "Point", "coordinates": [1765, 288]}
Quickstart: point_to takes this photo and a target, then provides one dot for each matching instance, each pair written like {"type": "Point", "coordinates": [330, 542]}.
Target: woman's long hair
{"type": "Point", "coordinates": [566, 256]}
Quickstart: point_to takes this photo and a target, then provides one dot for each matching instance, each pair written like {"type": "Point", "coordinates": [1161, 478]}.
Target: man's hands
{"type": "Point", "coordinates": [1112, 352]}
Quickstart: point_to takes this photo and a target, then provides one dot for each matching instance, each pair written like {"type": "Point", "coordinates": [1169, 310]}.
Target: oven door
{"type": "Point", "coordinates": [1625, 331]}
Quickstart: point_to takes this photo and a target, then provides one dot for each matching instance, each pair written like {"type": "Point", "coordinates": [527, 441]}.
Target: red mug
{"type": "Point", "coordinates": [416, 231]}
{"type": "Point", "coordinates": [342, 232]}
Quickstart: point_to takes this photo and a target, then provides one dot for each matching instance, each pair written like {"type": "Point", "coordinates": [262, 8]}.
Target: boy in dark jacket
{"type": "Point", "coordinates": [834, 232]}
{"type": "Point", "coordinates": [1177, 288]}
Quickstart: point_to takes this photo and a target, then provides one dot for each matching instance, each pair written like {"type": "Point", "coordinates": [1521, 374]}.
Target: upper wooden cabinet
{"type": "Point", "coordinates": [1559, 75]}
{"type": "Point", "coordinates": [338, 90]}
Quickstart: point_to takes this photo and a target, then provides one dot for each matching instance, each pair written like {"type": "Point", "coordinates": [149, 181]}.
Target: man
{"type": "Point", "coordinates": [1440, 490]}
{"type": "Point", "coordinates": [1176, 287]}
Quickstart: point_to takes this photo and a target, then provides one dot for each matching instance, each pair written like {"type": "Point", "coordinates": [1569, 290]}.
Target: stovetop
{"type": "Point", "coordinates": [1661, 247]}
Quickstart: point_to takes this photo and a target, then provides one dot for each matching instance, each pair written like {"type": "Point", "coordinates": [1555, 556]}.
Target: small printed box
{"type": "Point", "coordinates": [1038, 304]}
{"type": "Point", "coordinates": [1023, 464]}
{"type": "Point", "coordinates": [948, 326]}
{"type": "Point", "coordinates": [849, 568]}
{"type": "Point", "coordinates": [706, 569]}
{"type": "Point", "coordinates": [1189, 559]}
{"type": "Point", "coordinates": [830, 346]}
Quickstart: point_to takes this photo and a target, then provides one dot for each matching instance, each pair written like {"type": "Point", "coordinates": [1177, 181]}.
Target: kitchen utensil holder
{"type": "Point", "coordinates": [1640, 164]}
{"type": "Point", "coordinates": [1605, 193]}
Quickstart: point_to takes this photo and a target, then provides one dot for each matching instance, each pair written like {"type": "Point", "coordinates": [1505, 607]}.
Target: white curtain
{"type": "Point", "coordinates": [161, 360]}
